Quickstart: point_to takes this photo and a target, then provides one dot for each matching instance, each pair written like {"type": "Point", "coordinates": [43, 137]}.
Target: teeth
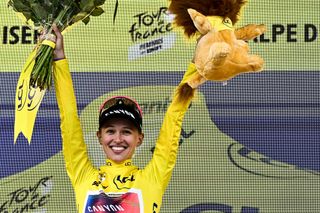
{"type": "Point", "coordinates": [117, 148]}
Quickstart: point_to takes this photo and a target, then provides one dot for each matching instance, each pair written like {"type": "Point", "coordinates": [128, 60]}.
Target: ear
{"type": "Point", "coordinates": [99, 135]}
{"type": "Point", "coordinates": [250, 31]}
{"type": "Point", "coordinates": [200, 21]}
{"type": "Point", "coordinates": [141, 136]}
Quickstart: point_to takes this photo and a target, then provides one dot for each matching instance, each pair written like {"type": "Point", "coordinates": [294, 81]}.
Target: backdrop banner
{"type": "Point", "coordinates": [250, 146]}
{"type": "Point", "coordinates": [141, 34]}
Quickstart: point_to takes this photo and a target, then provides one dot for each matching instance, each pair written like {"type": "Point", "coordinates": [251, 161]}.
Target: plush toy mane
{"type": "Point", "coordinates": [223, 8]}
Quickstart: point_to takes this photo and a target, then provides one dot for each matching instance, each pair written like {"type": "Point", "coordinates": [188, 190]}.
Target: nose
{"type": "Point", "coordinates": [117, 137]}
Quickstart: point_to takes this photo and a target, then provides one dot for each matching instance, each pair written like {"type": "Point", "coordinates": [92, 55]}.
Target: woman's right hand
{"type": "Point", "coordinates": [59, 49]}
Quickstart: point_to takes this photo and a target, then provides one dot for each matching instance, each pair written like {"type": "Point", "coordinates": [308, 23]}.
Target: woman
{"type": "Point", "coordinates": [117, 186]}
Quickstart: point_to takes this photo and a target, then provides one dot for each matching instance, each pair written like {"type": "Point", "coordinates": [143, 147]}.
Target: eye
{"type": "Point", "coordinates": [109, 131]}
{"type": "Point", "coordinates": [127, 132]}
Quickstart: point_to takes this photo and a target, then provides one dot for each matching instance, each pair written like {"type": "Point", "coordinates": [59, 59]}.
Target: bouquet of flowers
{"type": "Point", "coordinates": [41, 14]}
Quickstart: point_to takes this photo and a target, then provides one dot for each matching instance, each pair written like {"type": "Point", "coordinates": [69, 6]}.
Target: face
{"type": "Point", "coordinates": [119, 139]}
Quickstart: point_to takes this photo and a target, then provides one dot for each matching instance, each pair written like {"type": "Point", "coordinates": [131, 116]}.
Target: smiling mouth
{"type": "Point", "coordinates": [118, 149]}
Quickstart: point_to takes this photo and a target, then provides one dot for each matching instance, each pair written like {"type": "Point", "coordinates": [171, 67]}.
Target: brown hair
{"type": "Point", "coordinates": [223, 8]}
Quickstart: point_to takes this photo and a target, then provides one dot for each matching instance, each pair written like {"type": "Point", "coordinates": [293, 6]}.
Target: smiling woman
{"type": "Point", "coordinates": [272, 118]}
{"type": "Point", "coordinates": [119, 139]}
{"type": "Point", "coordinates": [118, 182]}
{"type": "Point", "coordinates": [120, 128]}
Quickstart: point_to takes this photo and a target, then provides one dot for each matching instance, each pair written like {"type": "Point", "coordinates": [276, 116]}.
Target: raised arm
{"type": "Point", "coordinates": [165, 154]}
{"type": "Point", "coordinates": [74, 148]}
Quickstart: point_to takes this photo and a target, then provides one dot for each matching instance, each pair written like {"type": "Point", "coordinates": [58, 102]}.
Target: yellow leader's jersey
{"type": "Point", "coordinates": [116, 187]}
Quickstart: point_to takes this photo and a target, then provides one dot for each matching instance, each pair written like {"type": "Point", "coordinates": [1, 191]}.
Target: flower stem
{"type": "Point", "coordinates": [41, 75]}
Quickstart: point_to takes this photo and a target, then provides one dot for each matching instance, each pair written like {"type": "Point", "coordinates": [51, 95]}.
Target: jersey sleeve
{"type": "Point", "coordinates": [165, 153]}
{"type": "Point", "coordinates": [74, 147]}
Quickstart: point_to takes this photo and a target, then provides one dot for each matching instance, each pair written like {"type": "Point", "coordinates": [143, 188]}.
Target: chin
{"type": "Point", "coordinates": [118, 159]}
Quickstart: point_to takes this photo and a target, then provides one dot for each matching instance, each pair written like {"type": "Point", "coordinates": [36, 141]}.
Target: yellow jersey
{"type": "Point", "coordinates": [116, 187]}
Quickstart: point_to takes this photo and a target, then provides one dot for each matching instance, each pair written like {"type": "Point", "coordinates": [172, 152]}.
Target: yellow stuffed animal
{"type": "Point", "coordinates": [222, 52]}
{"type": "Point", "coordinates": [220, 55]}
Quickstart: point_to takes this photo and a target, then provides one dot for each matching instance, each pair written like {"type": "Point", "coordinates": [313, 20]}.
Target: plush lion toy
{"type": "Point", "coordinates": [222, 51]}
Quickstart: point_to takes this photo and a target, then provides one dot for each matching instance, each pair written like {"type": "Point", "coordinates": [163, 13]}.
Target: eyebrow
{"type": "Point", "coordinates": [124, 126]}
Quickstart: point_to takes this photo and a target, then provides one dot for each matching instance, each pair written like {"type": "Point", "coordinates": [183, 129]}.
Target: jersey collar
{"type": "Point", "coordinates": [126, 163]}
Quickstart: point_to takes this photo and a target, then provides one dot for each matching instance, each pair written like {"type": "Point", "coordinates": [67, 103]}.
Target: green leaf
{"type": "Point", "coordinates": [79, 17]}
{"type": "Point", "coordinates": [86, 20]}
{"type": "Point", "coordinates": [99, 2]}
{"type": "Point", "coordinates": [97, 11]}
{"type": "Point", "coordinates": [19, 6]}
{"type": "Point", "coordinates": [39, 11]}
{"type": "Point", "coordinates": [28, 15]}
{"type": "Point", "coordinates": [87, 5]}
